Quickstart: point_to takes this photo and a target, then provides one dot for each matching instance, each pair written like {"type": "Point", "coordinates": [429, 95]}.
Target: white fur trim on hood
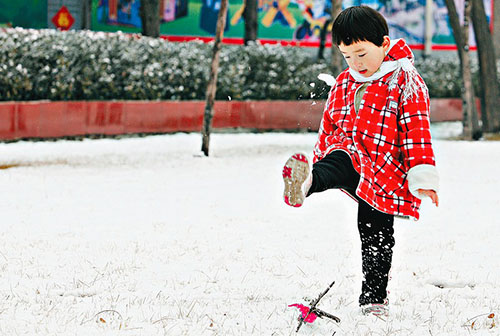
{"type": "Point", "coordinates": [423, 176]}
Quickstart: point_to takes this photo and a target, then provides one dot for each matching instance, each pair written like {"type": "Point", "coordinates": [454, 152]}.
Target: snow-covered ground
{"type": "Point", "coordinates": [143, 236]}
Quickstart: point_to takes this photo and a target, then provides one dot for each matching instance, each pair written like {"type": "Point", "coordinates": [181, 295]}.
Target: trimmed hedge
{"type": "Point", "coordinates": [48, 64]}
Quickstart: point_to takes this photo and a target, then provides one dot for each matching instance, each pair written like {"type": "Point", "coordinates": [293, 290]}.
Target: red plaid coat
{"type": "Point", "coordinates": [388, 136]}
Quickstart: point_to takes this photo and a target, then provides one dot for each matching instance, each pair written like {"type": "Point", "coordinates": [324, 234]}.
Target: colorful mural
{"type": "Point", "coordinates": [290, 20]}
{"type": "Point", "coordinates": [406, 18]}
{"type": "Point", "coordinates": [278, 19]}
{"type": "Point", "coordinates": [315, 16]}
{"type": "Point", "coordinates": [126, 12]}
{"type": "Point", "coordinates": [295, 20]}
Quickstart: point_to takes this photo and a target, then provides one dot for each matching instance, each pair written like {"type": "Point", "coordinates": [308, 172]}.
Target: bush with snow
{"type": "Point", "coordinates": [84, 65]}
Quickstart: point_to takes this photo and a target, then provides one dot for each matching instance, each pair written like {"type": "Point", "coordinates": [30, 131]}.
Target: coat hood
{"type": "Point", "coordinates": [399, 50]}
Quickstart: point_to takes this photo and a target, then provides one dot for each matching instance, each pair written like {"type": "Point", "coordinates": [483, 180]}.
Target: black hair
{"type": "Point", "coordinates": [359, 23]}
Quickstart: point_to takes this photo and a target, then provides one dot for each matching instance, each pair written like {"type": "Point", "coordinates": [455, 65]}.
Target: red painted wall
{"type": "Point", "coordinates": [45, 119]}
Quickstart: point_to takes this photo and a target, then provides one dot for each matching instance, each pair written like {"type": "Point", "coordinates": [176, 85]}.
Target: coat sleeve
{"type": "Point", "coordinates": [415, 140]}
{"type": "Point", "coordinates": [326, 128]}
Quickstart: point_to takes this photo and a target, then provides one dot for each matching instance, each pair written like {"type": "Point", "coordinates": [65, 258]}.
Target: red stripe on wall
{"type": "Point", "coordinates": [289, 43]}
{"type": "Point", "coordinates": [45, 119]}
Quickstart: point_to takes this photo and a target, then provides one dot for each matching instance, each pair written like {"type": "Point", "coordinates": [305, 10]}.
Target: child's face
{"type": "Point", "coordinates": [364, 56]}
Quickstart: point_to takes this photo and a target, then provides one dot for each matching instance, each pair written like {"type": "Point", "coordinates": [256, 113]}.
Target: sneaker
{"type": "Point", "coordinates": [380, 310]}
{"type": "Point", "coordinates": [295, 173]}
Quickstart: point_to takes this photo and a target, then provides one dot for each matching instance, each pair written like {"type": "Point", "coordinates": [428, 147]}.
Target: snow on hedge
{"type": "Point", "coordinates": [85, 65]}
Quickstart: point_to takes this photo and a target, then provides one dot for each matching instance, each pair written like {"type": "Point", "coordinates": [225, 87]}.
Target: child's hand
{"type": "Point", "coordinates": [431, 194]}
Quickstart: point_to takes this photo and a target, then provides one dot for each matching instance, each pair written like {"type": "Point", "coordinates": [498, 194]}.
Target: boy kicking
{"type": "Point", "coordinates": [374, 143]}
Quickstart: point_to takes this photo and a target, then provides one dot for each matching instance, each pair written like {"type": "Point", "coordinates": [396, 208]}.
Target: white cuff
{"type": "Point", "coordinates": [423, 176]}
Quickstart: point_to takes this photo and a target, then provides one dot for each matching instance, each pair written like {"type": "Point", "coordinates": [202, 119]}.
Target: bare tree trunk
{"type": "Point", "coordinates": [496, 29]}
{"type": "Point", "coordinates": [322, 39]}
{"type": "Point", "coordinates": [336, 55]}
{"type": "Point", "coordinates": [456, 28]}
{"type": "Point", "coordinates": [461, 35]}
{"type": "Point", "coordinates": [86, 14]}
{"type": "Point", "coordinates": [429, 20]}
{"type": "Point", "coordinates": [251, 23]}
{"type": "Point", "coordinates": [150, 17]}
{"type": "Point", "coordinates": [472, 129]}
{"type": "Point", "coordinates": [212, 83]}
{"type": "Point", "coordinates": [487, 67]}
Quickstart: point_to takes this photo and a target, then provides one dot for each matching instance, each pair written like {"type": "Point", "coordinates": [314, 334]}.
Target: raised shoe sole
{"type": "Point", "coordinates": [295, 172]}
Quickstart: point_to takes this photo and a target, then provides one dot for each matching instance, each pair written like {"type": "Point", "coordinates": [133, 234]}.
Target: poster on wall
{"type": "Point", "coordinates": [126, 12]}
{"type": "Point", "coordinates": [278, 19]}
{"type": "Point", "coordinates": [289, 20]}
{"type": "Point", "coordinates": [208, 16]}
{"type": "Point", "coordinates": [406, 18]}
{"type": "Point", "coordinates": [26, 13]}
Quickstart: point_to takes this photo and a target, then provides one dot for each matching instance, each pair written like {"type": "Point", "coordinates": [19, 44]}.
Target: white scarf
{"type": "Point", "coordinates": [411, 86]}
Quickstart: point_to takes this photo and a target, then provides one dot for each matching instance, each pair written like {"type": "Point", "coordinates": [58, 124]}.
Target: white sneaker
{"type": "Point", "coordinates": [380, 310]}
{"type": "Point", "coordinates": [297, 180]}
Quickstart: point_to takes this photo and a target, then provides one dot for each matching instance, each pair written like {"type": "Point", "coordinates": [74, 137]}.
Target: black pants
{"type": "Point", "coordinates": [376, 229]}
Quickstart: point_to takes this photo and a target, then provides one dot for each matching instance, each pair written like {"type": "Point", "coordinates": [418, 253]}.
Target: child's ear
{"type": "Point", "coordinates": [387, 43]}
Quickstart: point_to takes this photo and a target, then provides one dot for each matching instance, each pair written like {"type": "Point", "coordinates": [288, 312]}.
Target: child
{"type": "Point", "coordinates": [374, 143]}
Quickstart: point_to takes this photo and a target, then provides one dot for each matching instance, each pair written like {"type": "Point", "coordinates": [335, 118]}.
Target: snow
{"type": "Point", "coordinates": [327, 78]}
{"type": "Point", "coordinates": [145, 236]}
